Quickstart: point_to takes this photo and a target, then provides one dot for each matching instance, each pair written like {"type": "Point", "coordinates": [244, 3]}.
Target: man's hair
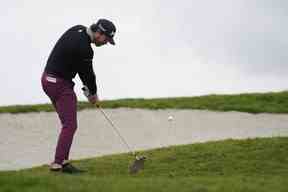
{"type": "Point", "coordinates": [94, 28]}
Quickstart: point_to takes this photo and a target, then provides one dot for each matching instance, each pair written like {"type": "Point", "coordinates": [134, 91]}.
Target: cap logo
{"type": "Point", "coordinates": [102, 28]}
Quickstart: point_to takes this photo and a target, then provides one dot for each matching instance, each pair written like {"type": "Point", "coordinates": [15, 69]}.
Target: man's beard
{"type": "Point", "coordinates": [98, 44]}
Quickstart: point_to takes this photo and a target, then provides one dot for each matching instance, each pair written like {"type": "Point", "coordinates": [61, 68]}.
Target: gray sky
{"type": "Point", "coordinates": [164, 48]}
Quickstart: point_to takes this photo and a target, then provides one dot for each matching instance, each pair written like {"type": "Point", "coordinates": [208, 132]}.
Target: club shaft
{"type": "Point", "coordinates": [116, 130]}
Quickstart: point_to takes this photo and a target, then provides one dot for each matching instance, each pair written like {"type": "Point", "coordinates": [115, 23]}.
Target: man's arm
{"type": "Point", "coordinates": [88, 78]}
{"type": "Point", "coordinates": [85, 67]}
{"type": "Point", "coordinates": [87, 75]}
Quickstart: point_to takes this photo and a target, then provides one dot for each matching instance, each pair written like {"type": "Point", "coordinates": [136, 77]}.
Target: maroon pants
{"type": "Point", "coordinates": [64, 100]}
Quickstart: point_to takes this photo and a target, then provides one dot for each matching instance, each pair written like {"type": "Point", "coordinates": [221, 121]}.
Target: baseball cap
{"type": "Point", "coordinates": [107, 27]}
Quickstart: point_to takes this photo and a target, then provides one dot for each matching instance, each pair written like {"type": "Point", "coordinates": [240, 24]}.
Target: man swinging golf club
{"type": "Point", "coordinates": [73, 55]}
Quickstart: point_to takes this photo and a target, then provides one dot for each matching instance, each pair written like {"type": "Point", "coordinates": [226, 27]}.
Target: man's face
{"type": "Point", "coordinates": [100, 39]}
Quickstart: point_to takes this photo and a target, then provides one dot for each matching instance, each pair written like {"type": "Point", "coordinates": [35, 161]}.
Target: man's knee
{"type": "Point", "coordinates": [72, 126]}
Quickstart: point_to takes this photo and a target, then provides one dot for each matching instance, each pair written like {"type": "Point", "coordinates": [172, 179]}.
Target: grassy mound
{"type": "Point", "coordinates": [230, 165]}
{"type": "Point", "coordinates": [274, 102]}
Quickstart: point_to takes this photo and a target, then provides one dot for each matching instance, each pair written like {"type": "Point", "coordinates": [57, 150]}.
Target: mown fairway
{"type": "Point", "coordinates": [231, 165]}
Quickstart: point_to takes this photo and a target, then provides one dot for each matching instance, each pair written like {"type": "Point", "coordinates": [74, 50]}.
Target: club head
{"type": "Point", "coordinates": [137, 165]}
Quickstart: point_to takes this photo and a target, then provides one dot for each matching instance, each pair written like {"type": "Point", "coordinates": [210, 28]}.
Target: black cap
{"type": "Point", "coordinates": [107, 27]}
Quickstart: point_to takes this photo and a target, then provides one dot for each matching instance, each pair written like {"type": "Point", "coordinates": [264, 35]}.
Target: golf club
{"type": "Point", "coordinates": [138, 163]}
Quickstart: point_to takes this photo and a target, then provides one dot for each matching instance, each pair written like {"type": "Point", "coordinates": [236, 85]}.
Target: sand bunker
{"type": "Point", "coordinates": [29, 139]}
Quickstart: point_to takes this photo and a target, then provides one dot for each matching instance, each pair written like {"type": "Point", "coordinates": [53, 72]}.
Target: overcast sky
{"type": "Point", "coordinates": [164, 48]}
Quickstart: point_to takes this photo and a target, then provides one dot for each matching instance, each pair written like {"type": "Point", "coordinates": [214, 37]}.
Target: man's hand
{"type": "Point", "coordinates": [93, 99]}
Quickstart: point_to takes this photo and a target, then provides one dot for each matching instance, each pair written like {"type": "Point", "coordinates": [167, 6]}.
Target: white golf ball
{"type": "Point", "coordinates": [170, 118]}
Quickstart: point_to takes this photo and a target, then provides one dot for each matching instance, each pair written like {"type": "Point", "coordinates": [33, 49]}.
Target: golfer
{"type": "Point", "coordinates": [73, 55]}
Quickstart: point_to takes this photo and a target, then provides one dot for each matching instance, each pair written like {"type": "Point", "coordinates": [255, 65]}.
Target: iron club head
{"type": "Point", "coordinates": [137, 165]}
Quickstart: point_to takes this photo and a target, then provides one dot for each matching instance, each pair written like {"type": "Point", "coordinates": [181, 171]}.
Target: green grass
{"type": "Point", "coordinates": [274, 102]}
{"type": "Point", "coordinates": [223, 166]}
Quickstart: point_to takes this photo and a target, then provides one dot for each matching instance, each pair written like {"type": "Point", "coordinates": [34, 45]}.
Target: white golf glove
{"type": "Point", "coordinates": [86, 91]}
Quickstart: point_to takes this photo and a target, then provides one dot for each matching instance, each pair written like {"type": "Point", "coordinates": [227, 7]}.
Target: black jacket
{"type": "Point", "coordinates": [73, 54]}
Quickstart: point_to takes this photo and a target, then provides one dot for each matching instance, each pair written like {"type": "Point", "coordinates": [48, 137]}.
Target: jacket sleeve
{"type": "Point", "coordinates": [85, 70]}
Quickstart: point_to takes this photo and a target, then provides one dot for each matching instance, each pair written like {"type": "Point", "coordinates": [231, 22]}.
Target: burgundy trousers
{"type": "Point", "coordinates": [64, 100]}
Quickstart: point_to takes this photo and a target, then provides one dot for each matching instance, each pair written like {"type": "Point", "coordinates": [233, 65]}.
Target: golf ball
{"type": "Point", "coordinates": [170, 118]}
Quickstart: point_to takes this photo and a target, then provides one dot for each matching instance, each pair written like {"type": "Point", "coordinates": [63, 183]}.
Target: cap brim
{"type": "Point", "coordinates": [111, 41]}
